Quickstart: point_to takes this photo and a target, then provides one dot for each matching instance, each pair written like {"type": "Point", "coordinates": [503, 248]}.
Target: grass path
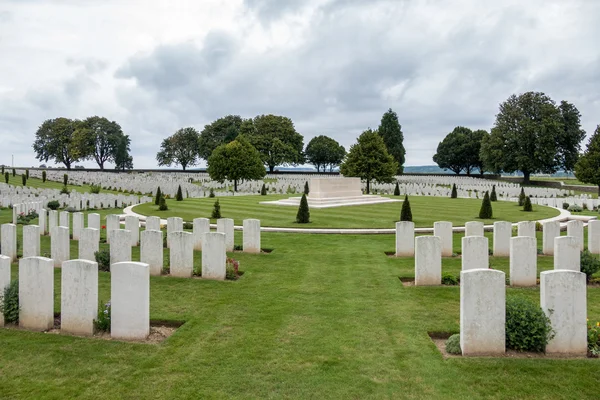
{"type": "Point", "coordinates": [425, 211]}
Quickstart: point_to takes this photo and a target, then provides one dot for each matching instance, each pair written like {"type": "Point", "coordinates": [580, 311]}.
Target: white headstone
{"type": "Point", "coordinates": [225, 225]}
{"type": "Point", "coordinates": [566, 253]}
{"type": "Point", "coordinates": [502, 235]}
{"type": "Point", "coordinates": [201, 226]}
{"type": "Point", "coordinates": [214, 257]}
{"type": "Point", "coordinates": [251, 236]}
{"type": "Point", "coordinates": [130, 300]}
{"type": "Point", "coordinates": [181, 254]}
{"type": "Point", "coordinates": [443, 230]}
{"type": "Point", "coordinates": [63, 219]}
{"type": "Point", "coordinates": [563, 299]}
{"type": "Point", "coordinates": [4, 279]}
{"type": "Point", "coordinates": [428, 260]}
{"type": "Point", "coordinates": [112, 223]}
{"type": "Point", "coordinates": [474, 228]}
{"type": "Point", "coordinates": [475, 253]}
{"type": "Point", "coordinates": [9, 241]}
{"type": "Point", "coordinates": [36, 293]}
{"type": "Point", "coordinates": [60, 249]}
{"type": "Point", "coordinates": [152, 224]}
{"type": "Point", "coordinates": [551, 230]}
{"type": "Point", "coordinates": [94, 221]}
{"type": "Point", "coordinates": [526, 228]}
{"type": "Point", "coordinates": [52, 220]}
{"type": "Point", "coordinates": [43, 221]}
{"type": "Point", "coordinates": [594, 236]}
{"type": "Point", "coordinates": [405, 239]}
{"type": "Point", "coordinates": [575, 229]}
{"type": "Point", "coordinates": [151, 251]}
{"type": "Point", "coordinates": [120, 246]}
{"type": "Point", "coordinates": [132, 224]}
{"type": "Point", "coordinates": [31, 241]}
{"type": "Point", "coordinates": [79, 296]}
{"type": "Point", "coordinates": [77, 225]}
{"type": "Point", "coordinates": [523, 261]}
{"type": "Point", "coordinates": [482, 312]}
{"type": "Point", "coordinates": [174, 224]}
{"type": "Point", "coordinates": [89, 244]}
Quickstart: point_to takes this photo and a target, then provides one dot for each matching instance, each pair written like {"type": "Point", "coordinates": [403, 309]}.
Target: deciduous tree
{"type": "Point", "coordinates": [180, 148]}
{"type": "Point", "coordinates": [323, 151]}
{"type": "Point", "coordinates": [218, 132]}
{"type": "Point", "coordinates": [235, 161]}
{"type": "Point", "coordinates": [587, 169]}
{"type": "Point", "coordinates": [54, 140]}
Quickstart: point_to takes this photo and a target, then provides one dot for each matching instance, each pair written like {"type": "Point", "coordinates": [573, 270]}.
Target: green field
{"type": "Point", "coordinates": [425, 211]}
{"type": "Point", "coordinates": [38, 183]}
{"type": "Point", "coordinates": [320, 317]}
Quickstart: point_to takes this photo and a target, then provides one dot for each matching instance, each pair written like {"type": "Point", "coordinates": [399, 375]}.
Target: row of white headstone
{"type": "Point", "coordinates": [483, 311]}
{"type": "Point", "coordinates": [130, 296]}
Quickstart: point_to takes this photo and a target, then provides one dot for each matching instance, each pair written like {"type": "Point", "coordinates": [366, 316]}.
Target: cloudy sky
{"type": "Point", "coordinates": [332, 66]}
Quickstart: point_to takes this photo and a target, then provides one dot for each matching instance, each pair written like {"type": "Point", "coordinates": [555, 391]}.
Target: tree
{"type": "Point", "coordinates": [303, 215]}
{"type": "Point", "coordinates": [121, 157]}
{"type": "Point", "coordinates": [180, 148]}
{"type": "Point", "coordinates": [306, 188]}
{"type": "Point", "coordinates": [323, 151]}
{"type": "Point", "coordinates": [397, 189]}
{"type": "Point", "coordinates": [391, 132]}
{"type": "Point", "coordinates": [370, 160]}
{"type": "Point", "coordinates": [179, 195]}
{"type": "Point", "coordinates": [263, 190]}
{"type": "Point", "coordinates": [216, 212]}
{"type": "Point", "coordinates": [485, 212]}
{"type": "Point", "coordinates": [405, 212]}
{"type": "Point", "coordinates": [162, 204]}
{"type": "Point", "coordinates": [55, 140]}
{"type": "Point", "coordinates": [218, 132]}
{"type": "Point", "coordinates": [454, 193]}
{"type": "Point", "coordinates": [235, 161]}
{"type": "Point", "coordinates": [522, 197]}
{"type": "Point", "coordinates": [587, 169]}
{"type": "Point", "coordinates": [276, 140]}
{"type": "Point", "coordinates": [493, 196]}
{"type": "Point", "coordinates": [530, 135]}
{"type": "Point", "coordinates": [158, 196]}
{"type": "Point", "coordinates": [527, 205]}
{"type": "Point", "coordinates": [460, 150]}
{"type": "Point", "coordinates": [570, 137]}
{"type": "Point", "coordinates": [97, 139]}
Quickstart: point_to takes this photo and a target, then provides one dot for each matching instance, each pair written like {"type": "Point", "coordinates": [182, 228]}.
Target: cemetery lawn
{"type": "Point", "coordinates": [425, 211]}
{"type": "Point", "coordinates": [320, 317]}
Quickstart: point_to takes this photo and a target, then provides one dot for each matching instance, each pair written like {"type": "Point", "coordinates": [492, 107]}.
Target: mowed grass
{"type": "Point", "coordinates": [425, 211]}
{"type": "Point", "coordinates": [320, 317]}
{"type": "Point", "coordinates": [17, 180]}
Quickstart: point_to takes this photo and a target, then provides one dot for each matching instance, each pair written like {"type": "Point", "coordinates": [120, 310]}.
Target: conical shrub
{"type": "Point", "coordinates": [158, 196]}
{"type": "Point", "coordinates": [263, 190]}
{"type": "Point", "coordinates": [162, 206]}
{"type": "Point", "coordinates": [527, 204]}
{"type": "Point", "coordinates": [306, 189]}
{"type": "Point", "coordinates": [522, 198]}
{"type": "Point", "coordinates": [493, 196]}
{"type": "Point", "coordinates": [406, 213]}
{"type": "Point", "coordinates": [179, 195]}
{"type": "Point", "coordinates": [303, 216]}
{"type": "Point", "coordinates": [485, 212]}
{"type": "Point", "coordinates": [397, 189]}
{"type": "Point", "coordinates": [454, 193]}
{"type": "Point", "coordinates": [216, 212]}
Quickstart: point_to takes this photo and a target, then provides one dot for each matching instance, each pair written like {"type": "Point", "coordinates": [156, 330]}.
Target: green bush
{"type": "Point", "coordinates": [27, 174]}
{"type": "Point", "coordinates": [158, 196]}
{"type": "Point", "coordinates": [449, 279]}
{"type": "Point", "coordinates": [216, 212]}
{"type": "Point", "coordinates": [589, 264]}
{"type": "Point", "coordinates": [24, 180]}
{"type": "Point", "coordinates": [9, 302]}
{"type": "Point", "coordinates": [53, 205]}
{"type": "Point", "coordinates": [453, 344]}
{"type": "Point", "coordinates": [103, 322]}
{"type": "Point", "coordinates": [485, 212]}
{"type": "Point", "coordinates": [263, 190]}
{"type": "Point", "coordinates": [565, 206]}
{"type": "Point", "coordinates": [64, 190]}
{"type": "Point", "coordinates": [188, 225]}
{"type": "Point", "coordinates": [211, 193]}
{"type": "Point", "coordinates": [575, 208]}
{"type": "Point", "coordinates": [65, 179]}
{"type": "Point", "coordinates": [527, 205]}
{"type": "Point", "coordinates": [179, 195]}
{"type": "Point", "coordinates": [454, 193]}
{"type": "Point", "coordinates": [405, 212]}
{"type": "Point", "coordinates": [162, 204]}
{"type": "Point", "coordinates": [44, 176]}
{"type": "Point", "coordinates": [527, 326]}
{"type": "Point", "coordinates": [522, 198]}
{"type": "Point", "coordinates": [95, 189]}
{"type": "Point", "coordinates": [103, 260]}
{"type": "Point", "coordinates": [14, 172]}
{"type": "Point", "coordinates": [306, 188]}
{"type": "Point", "coordinates": [397, 189]}
{"type": "Point", "coordinates": [493, 196]}
{"type": "Point", "coordinates": [6, 177]}
{"type": "Point", "coordinates": [303, 215]}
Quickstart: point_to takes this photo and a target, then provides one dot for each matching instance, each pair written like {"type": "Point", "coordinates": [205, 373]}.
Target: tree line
{"type": "Point", "coordinates": [531, 134]}
{"type": "Point", "coordinates": [67, 141]}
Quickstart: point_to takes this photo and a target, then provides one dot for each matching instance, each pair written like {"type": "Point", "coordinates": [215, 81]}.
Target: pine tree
{"type": "Point", "coordinates": [6, 176]}
{"type": "Point", "coordinates": [44, 176]}
{"type": "Point", "coordinates": [527, 204]}
{"type": "Point", "coordinates": [522, 197]}
{"type": "Point", "coordinates": [303, 216]}
{"type": "Point", "coordinates": [211, 193]}
{"type": "Point", "coordinates": [14, 171]}
{"type": "Point", "coordinates": [162, 204]}
{"type": "Point", "coordinates": [397, 189]}
{"type": "Point", "coordinates": [65, 179]}
{"type": "Point", "coordinates": [405, 213]}
{"type": "Point", "coordinates": [179, 195]}
{"type": "Point", "coordinates": [485, 212]}
{"type": "Point", "coordinates": [454, 193]}
{"type": "Point", "coordinates": [24, 179]}
{"type": "Point", "coordinates": [306, 191]}
{"type": "Point", "coordinates": [493, 196]}
{"type": "Point", "coordinates": [27, 173]}
{"type": "Point", "coordinates": [216, 213]}
{"type": "Point", "coordinates": [263, 190]}
{"type": "Point", "coordinates": [158, 196]}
